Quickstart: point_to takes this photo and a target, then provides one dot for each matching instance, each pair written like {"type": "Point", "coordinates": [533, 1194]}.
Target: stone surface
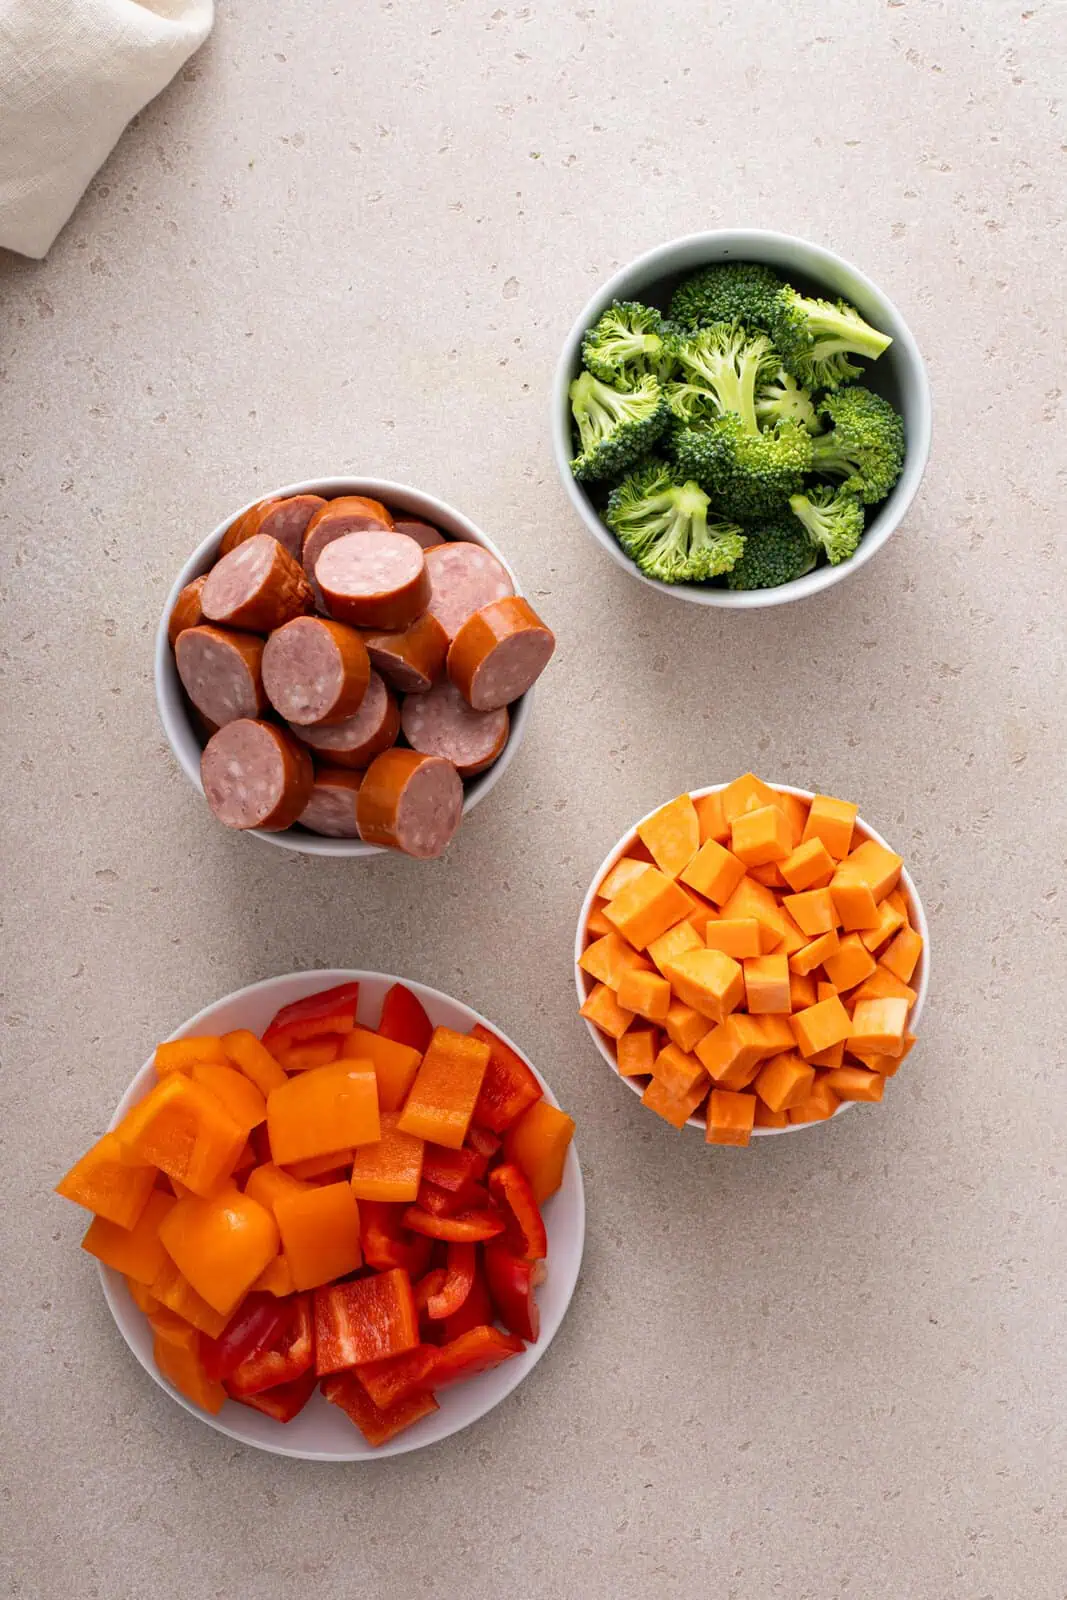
{"type": "Point", "coordinates": [826, 1368]}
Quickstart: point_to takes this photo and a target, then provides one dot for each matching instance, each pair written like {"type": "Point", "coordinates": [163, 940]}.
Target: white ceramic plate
{"type": "Point", "coordinates": [322, 1432]}
{"type": "Point", "coordinates": [584, 983]}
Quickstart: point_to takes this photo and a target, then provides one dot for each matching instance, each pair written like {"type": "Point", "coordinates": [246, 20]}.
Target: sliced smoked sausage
{"type": "Point", "coordinates": [258, 586]}
{"type": "Point", "coordinates": [349, 513]}
{"type": "Point", "coordinates": [441, 723]}
{"type": "Point", "coordinates": [463, 578]}
{"type": "Point", "coordinates": [356, 741]}
{"type": "Point", "coordinates": [499, 652]}
{"type": "Point", "coordinates": [410, 802]}
{"type": "Point", "coordinates": [186, 612]}
{"type": "Point", "coordinates": [315, 670]}
{"type": "Point", "coordinates": [256, 776]}
{"type": "Point", "coordinates": [421, 532]}
{"type": "Point", "coordinates": [411, 658]}
{"type": "Point", "coordinates": [221, 672]}
{"type": "Point", "coordinates": [374, 579]}
{"type": "Point", "coordinates": [243, 527]}
{"type": "Point", "coordinates": [332, 807]}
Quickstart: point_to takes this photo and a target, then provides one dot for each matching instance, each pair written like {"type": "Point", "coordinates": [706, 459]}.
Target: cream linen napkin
{"type": "Point", "coordinates": [72, 74]}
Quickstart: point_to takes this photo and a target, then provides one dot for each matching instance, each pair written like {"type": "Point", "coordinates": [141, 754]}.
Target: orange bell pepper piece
{"type": "Point", "coordinates": [182, 1368]}
{"type": "Point", "coordinates": [220, 1244]}
{"type": "Point", "coordinates": [441, 1101]}
{"type": "Point", "coordinates": [177, 1295]}
{"type": "Point", "coordinates": [320, 1233]}
{"type": "Point", "coordinates": [395, 1064]}
{"type": "Point", "coordinates": [136, 1252]}
{"type": "Point", "coordinates": [312, 1053]}
{"type": "Point", "coordinates": [276, 1278]}
{"type": "Point", "coordinates": [390, 1169]}
{"type": "Point", "coordinates": [237, 1093]}
{"type": "Point", "coordinates": [184, 1130]}
{"type": "Point", "coordinates": [330, 1166]}
{"type": "Point", "coordinates": [172, 1329]}
{"type": "Point", "coordinates": [252, 1058]}
{"type": "Point", "coordinates": [538, 1144]}
{"type": "Point", "coordinates": [142, 1297]}
{"type": "Point", "coordinates": [268, 1183]}
{"type": "Point", "coordinates": [103, 1181]}
{"type": "Point", "coordinates": [322, 1111]}
{"type": "Point", "coordinates": [178, 1055]}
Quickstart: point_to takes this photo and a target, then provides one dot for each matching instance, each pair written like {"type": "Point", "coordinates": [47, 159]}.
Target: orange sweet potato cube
{"type": "Point", "coordinates": [598, 924]}
{"type": "Point", "coordinates": [699, 914]}
{"type": "Point", "coordinates": [813, 912]}
{"type": "Point", "coordinates": [831, 821]}
{"type": "Point", "coordinates": [747, 793]}
{"type": "Point", "coordinates": [603, 1010]}
{"type": "Point", "coordinates": [903, 954]}
{"type": "Point", "coordinates": [671, 835]}
{"type": "Point", "coordinates": [767, 984]}
{"type": "Point", "coordinates": [766, 1118]}
{"type": "Point", "coordinates": [761, 836]}
{"type": "Point", "coordinates": [853, 1083]}
{"type": "Point", "coordinates": [849, 964]}
{"type": "Point", "coordinates": [734, 936]}
{"type": "Point", "coordinates": [645, 993]}
{"type": "Point", "coordinates": [683, 936]}
{"type": "Point", "coordinates": [821, 1026]}
{"type": "Point", "coordinates": [871, 863]}
{"type": "Point", "coordinates": [890, 920]}
{"type": "Point", "coordinates": [878, 1025]}
{"type": "Point", "coordinates": [854, 902]}
{"type": "Point", "coordinates": [796, 810]}
{"type": "Point", "coordinates": [679, 1073]}
{"type": "Point", "coordinates": [820, 1104]}
{"type": "Point", "coordinates": [814, 954]}
{"type": "Point", "coordinates": [714, 872]}
{"type": "Point", "coordinates": [731, 1117]}
{"type": "Point", "coordinates": [752, 899]}
{"type": "Point", "coordinates": [607, 959]}
{"type": "Point", "coordinates": [809, 866]}
{"type": "Point", "coordinates": [882, 984]}
{"type": "Point", "coordinates": [707, 980]}
{"type": "Point", "coordinates": [647, 907]}
{"type": "Point", "coordinates": [713, 823]}
{"type": "Point", "coordinates": [769, 874]}
{"type": "Point", "coordinates": [801, 991]}
{"type": "Point", "coordinates": [784, 1081]}
{"type": "Point", "coordinates": [887, 1064]}
{"type": "Point", "coordinates": [733, 1051]}
{"type": "Point", "coordinates": [685, 1027]}
{"type": "Point", "coordinates": [673, 1110]}
{"type": "Point", "coordinates": [625, 871]}
{"type": "Point", "coordinates": [635, 1052]}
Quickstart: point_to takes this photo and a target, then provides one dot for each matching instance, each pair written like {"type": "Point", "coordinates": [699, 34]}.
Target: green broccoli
{"type": "Point", "coordinates": [782, 400]}
{"type": "Point", "coordinates": [690, 402]}
{"type": "Point", "coordinates": [615, 428]}
{"type": "Point", "coordinates": [834, 520]}
{"type": "Point", "coordinates": [865, 445]}
{"type": "Point", "coordinates": [662, 524]}
{"type": "Point", "coordinates": [729, 363]}
{"type": "Point", "coordinates": [774, 554]}
{"type": "Point", "coordinates": [816, 337]}
{"type": "Point", "coordinates": [737, 291]}
{"type": "Point", "coordinates": [629, 342]}
{"type": "Point", "coordinates": [750, 476]}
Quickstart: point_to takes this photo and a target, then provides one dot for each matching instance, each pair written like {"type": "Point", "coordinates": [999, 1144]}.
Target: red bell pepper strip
{"type": "Point", "coordinates": [512, 1282]}
{"type": "Point", "coordinates": [374, 1424]}
{"type": "Point", "coordinates": [509, 1087]}
{"type": "Point", "coordinates": [513, 1193]}
{"type": "Point", "coordinates": [364, 1320]}
{"type": "Point", "coordinates": [386, 1242]}
{"type": "Point", "coordinates": [458, 1280]}
{"type": "Point", "coordinates": [468, 1227]}
{"type": "Point", "coordinates": [479, 1350]}
{"type": "Point", "coordinates": [431, 1284]}
{"type": "Point", "coordinates": [481, 1139]}
{"type": "Point", "coordinates": [330, 1011]}
{"type": "Point", "coordinates": [254, 1326]}
{"type": "Point", "coordinates": [285, 1400]}
{"type": "Point", "coordinates": [394, 1379]}
{"type": "Point", "coordinates": [404, 1019]}
{"type": "Point", "coordinates": [441, 1203]}
{"type": "Point", "coordinates": [451, 1169]}
{"type": "Point", "coordinates": [288, 1357]}
{"type": "Point", "coordinates": [475, 1312]}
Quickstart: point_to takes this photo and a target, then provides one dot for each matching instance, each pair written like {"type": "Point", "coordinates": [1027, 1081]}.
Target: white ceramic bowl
{"type": "Point", "coordinates": [173, 711]}
{"type": "Point", "coordinates": [322, 1432]}
{"type": "Point", "coordinates": [899, 375]}
{"type": "Point", "coordinates": [584, 983]}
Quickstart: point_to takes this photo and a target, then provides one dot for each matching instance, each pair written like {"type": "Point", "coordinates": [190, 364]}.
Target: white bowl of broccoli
{"type": "Point", "coordinates": [741, 418]}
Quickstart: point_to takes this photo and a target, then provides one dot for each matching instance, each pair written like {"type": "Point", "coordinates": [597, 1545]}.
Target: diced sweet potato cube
{"type": "Point", "coordinates": [889, 921]}
{"type": "Point", "coordinates": [671, 835]}
{"type": "Point", "coordinates": [769, 874]}
{"type": "Point", "coordinates": [813, 911]}
{"type": "Point", "coordinates": [834, 1057]}
{"type": "Point", "coordinates": [679, 1073]}
{"type": "Point", "coordinates": [767, 984]}
{"type": "Point", "coordinates": [778, 931]}
{"type": "Point", "coordinates": [731, 1117]}
{"type": "Point", "coordinates": [646, 993]}
{"type": "Point", "coordinates": [886, 1064]}
{"type": "Point", "coordinates": [849, 964]}
{"type": "Point", "coordinates": [796, 810]}
{"type": "Point", "coordinates": [683, 936]}
{"type": "Point", "coordinates": [714, 872]}
{"type": "Point", "coordinates": [871, 863]}
{"type": "Point", "coordinates": [882, 984]}
{"type": "Point", "coordinates": [814, 954]}
{"type": "Point", "coordinates": [707, 980]}
{"type": "Point", "coordinates": [822, 1025]}
{"type": "Point", "coordinates": [766, 1118]}
{"type": "Point", "coordinates": [903, 954]}
{"type": "Point", "coordinates": [700, 913]}
{"type": "Point", "coordinates": [854, 902]}
{"type": "Point", "coordinates": [625, 871]}
{"type": "Point", "coordinates": [676, 1112]}
{"type": "Point", "coordinates": [878, 1025]}
{"type": "Point", "coordinates": [686, 1027]}
{"type": "Point", "coordinates": [809, 866]}
{"type": "Point", "coordinates": [713, 823]}
{"type": "Point", "coordinates": [898, 899]}
{"type": "Point", "coordinates": [820, 1104]}
{"type": "Point", "coordinates": [734, 936]}
{"type": "Point", "coordinates": [647, 907]}
{"type": "Point", "coordinates": [831, 821]}
{"type": "Point", "coordinates": [757, 837]}
{"type": "Point", "coordinates": [733, 1051]}
{"type": "Point", "coordinates": [598, 924]}
{"type": "Point", "coordinates": [747, 793]}
{"type": "Point", "coordinates": [635, 1052]}
{"type": "Point", "coordinates": [609, 958]}
{"type": "Point", "coordinates": [853, 1083]}
{"type": "Point", "coordinates": [801, 991]}
{"type": "Point", "coordinates": [785, 1080]}
{"type": "Point", "coordinates": [603, 1010]}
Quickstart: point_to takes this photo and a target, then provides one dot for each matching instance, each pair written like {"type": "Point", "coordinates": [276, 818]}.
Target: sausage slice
{"type": "Point", "coordinates": [356, 741]}
{"type": "Point", "coordinates": [349, 513]}
{"type": "Point", "coordinates": [441, 723]}
{"type": "Point", "coordinates": [410, 802]}
{"type": "Point", "coordinates": [411, 658]}
{"type": "Point", "coordinates": [499, 652]}
{"type": "Point", "coordinates": [256, 776]}
{"type": "Point", "coordinates": [187, 612]}
{"type": "Point", "coordinates": [422, 533]}
{"type": "Point", "coordinates": [332, 807]}
{"type": "Point", "coordinates": [315, 670]}
{"type": "Point", "coordinates": [374, 579]}
{"type": "Point", "coordinates": [463, 578]}
{"type": "Point", "coordinates": [257, 586]}
{"type": "Point", "coordinates": [222, 673]}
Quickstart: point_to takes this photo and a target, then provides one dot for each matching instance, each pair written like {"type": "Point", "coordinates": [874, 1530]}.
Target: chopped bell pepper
{"type": "Point", "coordinates": [320, 1233]}
{"type": "Point", "coordinates": [446, 1203]}
{"type": "Point", "coordinates": [395, 1064]}
{"type": "Point", "coordinates": [466, 1227]}
{"type": "Point", "coordinates": [513, 1193]}
{"type": "Point", "coordinates": [136, 1252]}
{"type": "Point", "coordinates": [285, 1401]}
{"type": "Point", "coordinates": [184, 1130]}
{"type": "Point", "coordinates": [172, 1329]}
{"type": "Point", "coordinates": [390, 1169]}
{"type": "Point", "coordinates": [304, 1057]}
{"type": "Point", "coordinates": [178, 1055]}
{"type": "Point", "coordinates": [538, 1144]}
{"type": "Point", "coordinates": [430, 1284]}
{"type": "Point", "coordinates": [387, 1243]}
{"type": "Point", "coordinates": [376, 1425]}
{"type": "Point", "coordinates": [512, 1284]}
{"type": "Point", "coordinates": [457, 1283]}
{"type": "Point", "coordinates": [483, 1140]}
{"type": "Point", "coordinates": [238, 1094]}
{"type": "Point", "coordinates": [451, 1169]}
{"type": "Point", "coordinates": [267, 1183]}
{"type": "Point", "coordinates": [220, 1244]}
{"type": "Point", "coordinates": [323, 1111]}
{"type": "Point", "coordinates": [332, 1166]}
{"type": "Point", "coordinates": [142, 1296]}
{"type": "Point", "coordinates": [364, 1320]}
{"type": "Point", "coordinates": [479, 1350]}
{"type": "Point", "coordinates": [392, 1380]}
{"type": "Point", "coordinates": [252, 1058]}
{"type": "Point", "coordinates": [182, 1368]}
{"type": "Point", "coordinates": [404, 1019]}
{"type": "Point", "coordinates": [442, 1098]}
{"type": "Point", "coordinates": [176, 1294]}
{"type": "Point", "coordinates": [331, 1011]}
{"type": "Point", "coordinates": [509, 1087]}
{"type": "Point", "coordinates": [288, 1356]}
{"type": "Point", "coordinates": [475, 1312]}
{"type": "Point", "coordinates": [253, 1326]}
{"type": "Point", "coordinates": [276, 1278]}
{"type": "Point", "coordinates": [104, 1182]}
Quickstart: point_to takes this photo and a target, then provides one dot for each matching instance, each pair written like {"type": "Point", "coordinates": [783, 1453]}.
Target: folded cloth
{"type": "Point", "coordinates": [72, 74]}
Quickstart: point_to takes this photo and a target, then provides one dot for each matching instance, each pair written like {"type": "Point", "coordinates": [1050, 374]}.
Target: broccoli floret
{"type": "Point", "coordinates": [662, 524]}
{"type": "Point", "coordinates": [690, 402]}
{"type": "Point", "coordinates": [738, 291]}
{"type": "Point", "coordinates": [750, 476]}
{"type": "Point", "coordinates": [816, 337]}
{"type": "Point", "coordinates": [774, 554]}
{"type": "Point", "coordinates": [782, 400]}
{"type": "Point", "coordinates": [729, 363]}
{"type": "Point", "coordinates": [834, 520]}
{"type": "Point", "coordinates": [615, 428]}
{"type": "Point", "coordinates": [630, 341]}
{"type": "Point", "coordinates": [865, 445]}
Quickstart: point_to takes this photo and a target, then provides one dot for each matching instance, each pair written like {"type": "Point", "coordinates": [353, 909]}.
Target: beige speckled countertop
{"type": "Point", "coordinates": [832, 1367]}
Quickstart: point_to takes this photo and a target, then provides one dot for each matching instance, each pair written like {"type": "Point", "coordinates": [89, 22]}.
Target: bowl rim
{"type": "Point", "coordinates": [514, 1371]}
{"type": "Point", "coordinates": [730, 242]}
{"type": "Point", "coordinates": [177, 726]}
{"type": "Point", "coordinates": [582, 981]}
